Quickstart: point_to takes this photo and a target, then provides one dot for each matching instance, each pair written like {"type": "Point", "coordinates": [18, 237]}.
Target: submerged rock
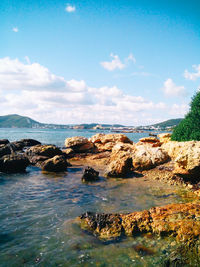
{"type": "Point", "coordinates": [90, 175]}
{"type": "Point", "coordinates": [13, 163]}
{"type": "Point", "coordinates": [179, 220]}
{"type": "Point", "coordinates": [55, 164]}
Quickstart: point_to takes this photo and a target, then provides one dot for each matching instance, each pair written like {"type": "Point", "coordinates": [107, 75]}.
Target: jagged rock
{"type": "Point", "coordinates": [37, 160]}
{"type": "Point", "coordinates": [146, 157]}
{"type": "Point", "coordinates": [90, 175]}
{"type": "Point", "coordinates": [179, 220]}
{"type": "Point", "coordinates": [121, 165]}
{"type": "Point", "coordinates": [149, 139]}
{"type": "Point", "coordinates": [4, 141]}
{"type": "Point", "coordinates": [55, 164]}
{"type": "Point", "coordinates": [79, 144]}
{"type": "Point", "coordinates": [164, 137]}
{"type": "Point", "coordinates": [13, 163]}
{"type": "Point", "coordinates": [43, 150]}
{"type": "Point", "coordinates": [105, 142]}
{"type": "Point", "coordinates": [5, 150]}
{"type": "Point", "coordinates": [68, 152]}
{"type": "Point", "coordinates": [19, 145]}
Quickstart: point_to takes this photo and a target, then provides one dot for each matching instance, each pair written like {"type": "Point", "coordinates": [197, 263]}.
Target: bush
{"type": "Point", "coordinates": [189, 128]}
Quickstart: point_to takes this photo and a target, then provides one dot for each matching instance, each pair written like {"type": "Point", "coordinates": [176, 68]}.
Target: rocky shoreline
{"type": "Point", "coordinates": [176, 163]}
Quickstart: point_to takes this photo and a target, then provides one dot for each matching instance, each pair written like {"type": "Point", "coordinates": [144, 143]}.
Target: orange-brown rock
{"type": "Point", "coordinates": [79, 144]}
{"type": "Point", "coordinates": [164, 137]}
{"type": "Point", "coordinates": [105, 142]}
{"type": "Point", "coordinates": [179, 220]}
{"type": "Point", "coordinates": [149, 139]}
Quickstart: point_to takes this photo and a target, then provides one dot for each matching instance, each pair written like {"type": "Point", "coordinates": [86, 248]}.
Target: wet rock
{"type": "Point", "coordinates": [37, 160]}
{"type": "Point", "coordinates": [44, 150]}
{"type": "Point", "coordinates": [5, 150]}
{"type": "Point", "coordinates": [4, 141]}
{"type": "Point", "coordinates": [55, 164]}
{"type": "Point", "coordinates": [13, 163]}
{"type": "Point", "coordinates": [146, 157]}
{"type": "Point", "coordinates": [105, 142]}
{"type": "Point", "coordinates": [79, 144]}
{"type": "Point", "coordinates": [106, 226]}
{"type": "Point", "coordinates": [90, 175]}
{"type": "Point", "coordinates": [179, 220]}
{"type": "Point", "coordinates": [20, 145]}
{"type": "Point", "coordinates": [142, 250]}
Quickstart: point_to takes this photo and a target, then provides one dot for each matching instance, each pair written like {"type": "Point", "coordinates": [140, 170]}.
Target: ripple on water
{"type": "Point", "coordinates": [38, 212]}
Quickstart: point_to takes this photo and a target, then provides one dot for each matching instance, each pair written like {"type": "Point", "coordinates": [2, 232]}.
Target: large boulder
{"type": "Point", "coordinates": [13, 163]}
{"type": "Point", "coordinates": [120, 165]}
{"type": "Point", "coordinates": [105, 142]}
{"type": "Point", "coordinates": [5, 150]}
{"type": "Point", "coordinates": [21, 144]}
{"type": "Point", "coordinates": [44, 150]}
{"type": "Point", "coordinates": [146, 157]}
{"type": "Point", "coordinates": [4, 141]}
{"type": "Point", "coordinates": [79, 144]}
{"type": "Point", "coordinates": [56, 164]}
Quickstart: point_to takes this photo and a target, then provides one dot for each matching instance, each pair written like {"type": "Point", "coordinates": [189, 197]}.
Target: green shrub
{"type": "Point", "coordinates": [189, 128]}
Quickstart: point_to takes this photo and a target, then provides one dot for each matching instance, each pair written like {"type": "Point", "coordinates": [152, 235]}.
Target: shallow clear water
{"type": "Point", "coordinates": [37, 213]}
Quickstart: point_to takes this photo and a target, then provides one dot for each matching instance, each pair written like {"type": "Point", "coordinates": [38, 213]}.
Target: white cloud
{"type": "Point", "coordinates": [178, 110]}
{"type": "Point", "coordinates": [171, 89]}
{"type": "Point", "coordinates": [32, 90]}
{"type": "Point", "coordinates": [193, 75]}
{"type": "Point", "coordinates": [15, 29]}
{"type": "Point", "coordinates": [69, 8]}
{"type": "Point", "coordinates": [114, 64]}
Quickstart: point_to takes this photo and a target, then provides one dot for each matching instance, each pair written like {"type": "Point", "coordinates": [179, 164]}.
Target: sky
{"type": "Point", "coordinates": [132, 62]}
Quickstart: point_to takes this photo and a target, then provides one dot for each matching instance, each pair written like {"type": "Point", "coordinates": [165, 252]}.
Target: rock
{"type": "Point", "coordinates": [37, 160]}
{"type": "Point", "coordinates": [146, 157]}
{"type": "Point", "coordinates": [4, 141]}
{"type": "Point", "coordinates": [44, 150]}
{"type": "Point", "coordinates": [68, 152]}
{"type": "Point", "coordinates": [13, 163]}
{"type": "Point", "coordinates": [20, 145]}
{"type": "Point", "coordinates": [55, 164]}
{"type": "Point", "coordinates": [79, 144]}
{"type": "Point", "coordinates": [179, 220]}
{"type": "Point", "coordinates": [186, 157]}
{"type": "Point", "coordinates": [149, 139]}
{"type": "Point", "coordinates": [120, 165]}
{"type": "Point", "coordinates": [90, 175]}
{"type": "Point", "coordinates": [105, 142]}
{"type": "Point", "coordinates": [165, 137]}
{"type": "Point", "coordinates": [5, 150]}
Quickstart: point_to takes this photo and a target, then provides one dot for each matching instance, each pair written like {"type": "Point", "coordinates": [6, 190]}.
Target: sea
{"type": "Point", "coordinates": [38, 212]}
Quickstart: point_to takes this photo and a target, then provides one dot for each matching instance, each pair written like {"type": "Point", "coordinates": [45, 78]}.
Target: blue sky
{"type": "Point", "coordinates": [131, 62]}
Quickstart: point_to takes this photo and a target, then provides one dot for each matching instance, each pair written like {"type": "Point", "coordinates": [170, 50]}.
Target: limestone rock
{"type": "Point", "coordinates": [56, 164]}
{"type": "Point", "coordinates": [79, 144]}
{"type": "Point", "coordinates": [105, 142]}
{"type": "Point", "coordinates": [90, 175]}
{"type": "Point", "coordinates": [165, 137]}
{"type": "Point", "coordinates": [149, 139]}
{"type": "Point", "coordinates": [146, 157]}
{"type": "Point", "coordinates": [13, 163]}
{"type": "Point", "coordinates": [179, 220]}
{"type": "Point", "coordinates": [120, 165]}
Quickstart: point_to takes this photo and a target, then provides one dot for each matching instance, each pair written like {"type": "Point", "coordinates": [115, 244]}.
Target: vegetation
{"type": "Point", "coordinates": [189, 127]}
{"type": "Point", "coordinates": [168, 123]}
{"type": "Point", "coordinates": [17, 121]}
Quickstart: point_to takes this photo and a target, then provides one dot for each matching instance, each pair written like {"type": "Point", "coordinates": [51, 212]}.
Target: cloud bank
{"type": "Point", "coordinates": [31, 89]}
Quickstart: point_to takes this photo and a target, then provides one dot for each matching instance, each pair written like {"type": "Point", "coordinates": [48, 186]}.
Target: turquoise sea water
{"type": "Point", "coordinates": [37, 213]}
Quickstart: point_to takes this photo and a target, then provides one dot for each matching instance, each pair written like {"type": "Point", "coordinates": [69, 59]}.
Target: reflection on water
{"type": "Point", "coordinates": [38, 211]}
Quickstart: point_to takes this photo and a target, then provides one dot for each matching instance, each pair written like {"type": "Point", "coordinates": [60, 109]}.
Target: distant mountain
{"type": "Point", "coordinates": [168, 123]}
{"type": "Point", "coordinates": [18, 121]}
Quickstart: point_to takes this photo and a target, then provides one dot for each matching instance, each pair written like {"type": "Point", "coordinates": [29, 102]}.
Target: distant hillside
{"type": "Point", "coordinates": [168, 123]}
{"type": "Point", "coordinates": [18, 121]}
